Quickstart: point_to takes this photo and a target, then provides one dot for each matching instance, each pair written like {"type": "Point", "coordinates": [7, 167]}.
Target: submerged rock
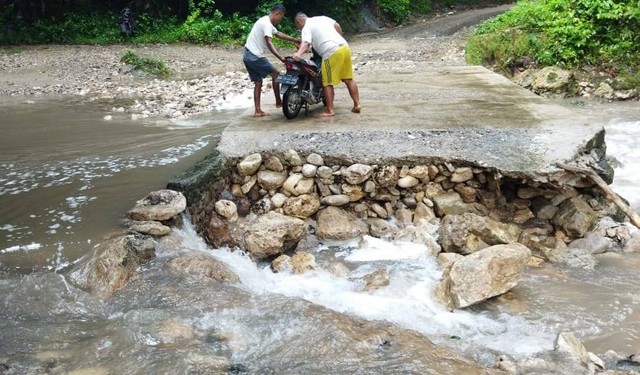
{"type": "Point", "coordinates": [204, 266]}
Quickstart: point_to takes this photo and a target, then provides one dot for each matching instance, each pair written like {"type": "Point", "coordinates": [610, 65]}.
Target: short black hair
{"type": "Point", "coordinates": [279, 8]}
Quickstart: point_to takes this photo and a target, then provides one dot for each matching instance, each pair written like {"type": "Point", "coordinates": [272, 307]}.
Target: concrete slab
{"type": "Point", "coordinates": [464, 113]}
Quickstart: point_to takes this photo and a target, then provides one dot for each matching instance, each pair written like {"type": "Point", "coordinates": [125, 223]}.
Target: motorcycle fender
{"type": "Point", "coordinates": [284, 89]}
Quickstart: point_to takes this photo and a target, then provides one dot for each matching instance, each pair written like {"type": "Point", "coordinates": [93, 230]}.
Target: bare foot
{"type": "Point", "coordinates": [326, 114]}
{"type": "Point", "coordinates": [356, 109]}
{"type": "Point", "coordinates": [260, 114]}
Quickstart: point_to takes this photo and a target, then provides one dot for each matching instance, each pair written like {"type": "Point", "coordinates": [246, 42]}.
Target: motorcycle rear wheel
{"type": "Point", "coordinates": [292, 102]}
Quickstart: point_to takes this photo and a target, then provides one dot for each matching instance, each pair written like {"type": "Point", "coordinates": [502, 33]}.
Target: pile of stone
{"type": "Point", "coordinates": [482, 226]}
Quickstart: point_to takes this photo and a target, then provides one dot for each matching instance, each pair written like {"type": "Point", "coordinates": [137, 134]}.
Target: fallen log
{"type": "Point", "coordinates": [609, 194]}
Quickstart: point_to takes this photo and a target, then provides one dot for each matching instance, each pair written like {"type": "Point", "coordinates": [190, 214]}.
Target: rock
{"type": "Point", "coordinates": [309, 170]}
{"type": "Point", "coordinates": [272, 233]}
{"type": "Point", "coordinates": [575, 258]}
{"type": "Point", "coordinates": [302, 262]}
{"type": "Point", "coordinates": [467, 193]}
{"type": "Point", "coordinates": [528, 192]}
{"type": "Point", "coordinates": [335, 200]}
{"type": "Point", "coordinates": [281, 264]}
{"type": "Point", "coordinates": [303, 206]}
{"type": "Point", "coordinates": [249, 165]}
{"type": "Point", "coordinates": [421, 172]}
{"type": "Point", "coordinates": [387, 176]}
{"type": "Point", "coordinates": [408, 182]}
{"type": "Point", "coordinates": [357, 173]}
{"type": "Point", "coordinates": [278, 200]}
{"type": "Point", "coordinates": [450, 204]}
{"type": "Point", "coordinates": [249, 184]}
{"type": "Point", "coordinates": [462, 174]}
{"type": "Point", "coordinates": [355, 192]}
{"type": "Point", "coordinates": [271, 180]}
{"type": "Point", "coordinates": [338, 269]}
{"type": "Point", "coordinates": [422, 232]}
{"type": "Point", "coordinates": [468, 233]}
{"type": "Point", "coordinates": [404, 217]}
{"type": "Point", "coordinates": [324, 172]}
{"type": "Point", "coordinates": [381, 228]}
{"type": "Point", "coordinates": [152, 228]}
{"type": "Point", "coordinates": [482, 275]}
{"type": "Point", "coordinates": [423, 212]}
{"type": "Point", "coordinates": [568, 343]}
{"type": "Point", "coordinates": [227, 210]}
{"type": "Point", "coordinates": [261, 206]}
{"type": "Point", "coordinates": [297, 184]}
{"type": "Point", "coordinates": [604, 91]}
{"type": "Point", "coordinates": [292, 157]}
{"type": "Point", "coordinates": [446, 260]}
{"type": "Point", "coordinates": [592, 243]}
{"type": "Point", "coordinates": [315, 159]}
{"type": "Point", "coordinates": [217, 233]}
{"type": "Point", "coordinates": [543, 209]}
{"type": "Point", "coordinates": [376, 280]}
{"type": "Point", "coordinates": [117, 260]}
{"type": "Point", "coordinates": [159, 205]}
{"type": "Point", "coordinates": [551, 79]}
{"type": "Point", "coordinates": [575, 217]}
{"type": "Point", "coordinates": [273, 164]}
{"type": "Point", "coordinates": [202, 265]}
{"type": "Point", "coordinates": [337, 224]}
{"type": "Point", "coordinates": [625, 94]}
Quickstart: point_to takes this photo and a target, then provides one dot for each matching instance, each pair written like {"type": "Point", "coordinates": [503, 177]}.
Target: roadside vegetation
{"type": "Point", "coordinates": [186, 21]}
{"type": "Point", "coordinates": [604, 34]}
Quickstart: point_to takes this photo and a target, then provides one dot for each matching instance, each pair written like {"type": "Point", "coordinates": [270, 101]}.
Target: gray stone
{"type": "Point", "coordinates": [302, 262]}
{"type": "Point", "coordinates": [408, 182]}
{"type": "Point", "coordinates": [227, 209]}
{"type": "Point", "coordinates": [376, 280]}
{"type": "Point", "coordinates": [303, 206]}
{"type": "Point", "coordinates": [203, 265]}
{"type": "Point", "coordinates": [273, 164]}
{"type": "Point", "coordinates": [551, 79]}
{"type": "Point", "coordinates": [249, 165]}
{"type": "Point", "coordinates": [421, 172]}
{"type": "Point", "coordinates": [450, 204]}
{"type": "Point", "coordinates": [381, 228]}
{"type": "Point", "coordinates": [337, 224]}
{"type": "Point", "coordinates": [152, 228]}
{"type": "Point", "coordinates": [387, 176]}
{"type": "Point", "coordinates": [575, 217]}
{"type": "Point", "coordinates": [315, 159]}
{"type": "Point", "coordinates": [482, 275]}
{"type": "Point", "coordinates": [309, 170]}
{"type": "Point", "coordinates": [293, 158]}
{"type": "Point", "coordinates": [272, 233]}
{"type": "Point", "coordinates": [324, 172]}
{"type": "Point", "coordinates": [335, 200]}
{"type": "Point", "coordinates": [271, 180]}
{"type": "Point", "coordinates": [357, 173]}
{"type": "Point", "coordinates": [462, 174]}
{"type": "Point", "coordinates": [158, 205]}
{"type": "Point", "coordinates": [469, 232]}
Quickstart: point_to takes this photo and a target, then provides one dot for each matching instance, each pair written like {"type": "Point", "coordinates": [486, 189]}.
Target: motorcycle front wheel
{"type": "Point", "coordinates": [292, 102]}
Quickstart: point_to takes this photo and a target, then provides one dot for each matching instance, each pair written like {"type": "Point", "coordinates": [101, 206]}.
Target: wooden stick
{"type": "Point", "coordinates": [610, 194]}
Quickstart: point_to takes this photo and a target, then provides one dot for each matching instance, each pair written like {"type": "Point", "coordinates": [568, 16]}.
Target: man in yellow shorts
{"type": "Point", "coordinates": [325, 36]}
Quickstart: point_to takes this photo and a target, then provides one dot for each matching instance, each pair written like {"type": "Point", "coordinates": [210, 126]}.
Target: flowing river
{"type": "Point", "coordinates": [67, 176]}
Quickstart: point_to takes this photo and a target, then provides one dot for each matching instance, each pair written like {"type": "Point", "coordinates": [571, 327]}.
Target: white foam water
{"type": "Point", "coordinates": [622, 144]}
{"type": "Point", "coordinates": [407, 301]}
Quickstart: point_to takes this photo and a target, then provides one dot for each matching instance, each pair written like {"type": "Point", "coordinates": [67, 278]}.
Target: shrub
{"type": "Point", "coordinates": [147, 64]}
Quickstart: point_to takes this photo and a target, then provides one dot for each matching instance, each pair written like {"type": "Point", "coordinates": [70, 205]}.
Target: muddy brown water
{"type": "Point", "coordinates": [66, 177]}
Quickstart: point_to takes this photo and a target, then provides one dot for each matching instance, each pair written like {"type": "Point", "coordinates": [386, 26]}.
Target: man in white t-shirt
{"type": "Point", "coordinates": [325, 36]}
{"type": "Point", "coordinates": [253, 56]}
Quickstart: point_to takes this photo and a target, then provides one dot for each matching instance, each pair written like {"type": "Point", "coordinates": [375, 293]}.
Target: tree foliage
{"type": "Point", "coordinates": [565, 32]}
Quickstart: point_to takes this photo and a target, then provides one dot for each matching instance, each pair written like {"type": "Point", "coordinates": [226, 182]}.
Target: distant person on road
{"type": "Point", "coordinates": [324, 34]}
{"type": "Point", "coordinates": [258, 67]}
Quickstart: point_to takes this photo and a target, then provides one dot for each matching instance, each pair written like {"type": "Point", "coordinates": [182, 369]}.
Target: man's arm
{"type": "Point", "coordinates": [288, 38]}
{"type": "Point", "coordinates": [304, 46]}
{"type": "Point", "coordinates": [338, 28]}
{"type": "Point", "coordinates": [273, 49]}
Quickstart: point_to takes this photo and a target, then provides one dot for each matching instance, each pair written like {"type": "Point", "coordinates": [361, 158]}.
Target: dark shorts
{"type": "Point", "coordinates": [258, 67]}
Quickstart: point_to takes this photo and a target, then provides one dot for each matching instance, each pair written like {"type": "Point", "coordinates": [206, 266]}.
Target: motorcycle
{"type": "Point", "coordinates": [126, 21]}
{"type": "Point", "coordinates": [300, 86]}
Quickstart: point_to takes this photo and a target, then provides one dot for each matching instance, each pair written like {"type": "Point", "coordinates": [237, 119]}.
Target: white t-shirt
{"type": "Point", "coordinates": [255, 42]}
{"type": "Point", "coordinates": [321, 33]}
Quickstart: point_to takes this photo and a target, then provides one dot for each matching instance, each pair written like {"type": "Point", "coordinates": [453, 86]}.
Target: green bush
{"type": "Point", "coordinates": [563, 32]}
{"type": "Point", "coordinates": [147, 64]}
{"type": "Point", "coordinates": [396, 10]}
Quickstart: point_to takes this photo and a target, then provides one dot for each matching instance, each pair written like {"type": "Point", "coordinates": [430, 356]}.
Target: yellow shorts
{"type": "Point", "coordinates": [337, 67]}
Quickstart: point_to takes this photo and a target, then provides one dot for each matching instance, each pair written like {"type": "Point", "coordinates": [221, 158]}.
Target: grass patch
{"type": "Point", "coordinates": [147, 64]}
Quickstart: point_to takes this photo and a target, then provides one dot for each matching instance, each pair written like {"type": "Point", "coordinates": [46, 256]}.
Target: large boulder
{"type": "Point", "coordinates": [337, 224]}
{"type": "Point", "coordinates": [470, 232]}
{"type": "Point", "coordinates": [117, 260]}
{"type": "Point", "coordinates": [482, 275]}
{"type": "Point", "coordinates": [202, 265]}
{"type": "Point", "coordinates": [551, 79]}
{"type": "Point", "coordinates": [451, 203]}
{"type": "Point", "coordinates": [217, 233]}
{"type": "Point", "coordinates": [575, 217]}
{"type": "Point", "coordinates": [271, 234]}
{"type": "Point", "coordinates": [159, 205]}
